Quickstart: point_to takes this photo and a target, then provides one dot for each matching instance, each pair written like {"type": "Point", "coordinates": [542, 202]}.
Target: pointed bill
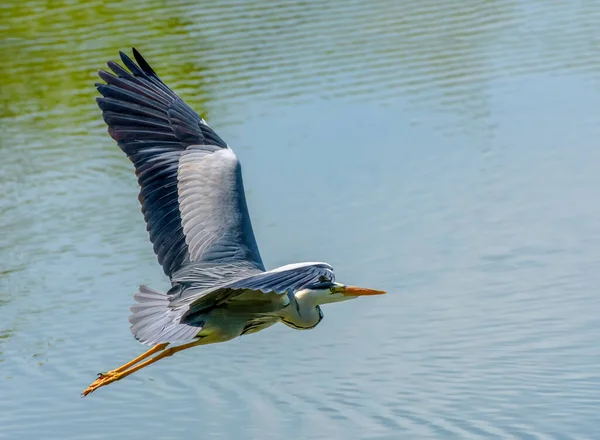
{"type": "Point", "coordinates": [361, 291]}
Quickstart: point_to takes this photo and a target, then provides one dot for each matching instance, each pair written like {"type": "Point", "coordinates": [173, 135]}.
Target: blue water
{"type": "Point", "coordinates": [445, 152]}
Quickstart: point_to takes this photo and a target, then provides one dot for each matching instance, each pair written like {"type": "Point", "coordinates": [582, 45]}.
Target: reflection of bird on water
{"type": "Point", "coordinates": [193, 202]}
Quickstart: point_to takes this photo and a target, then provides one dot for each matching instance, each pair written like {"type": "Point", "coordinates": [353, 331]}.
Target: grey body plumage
{"type": "Point", "coordinates": [244, 295]}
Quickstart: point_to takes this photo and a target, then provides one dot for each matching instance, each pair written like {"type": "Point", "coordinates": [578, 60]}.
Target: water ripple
{"type": "Point", "coordinates": [442, 151]}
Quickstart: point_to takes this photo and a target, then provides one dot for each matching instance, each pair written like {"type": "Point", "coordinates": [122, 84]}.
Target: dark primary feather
{"type": "Point", "coordinates": [157, 130]}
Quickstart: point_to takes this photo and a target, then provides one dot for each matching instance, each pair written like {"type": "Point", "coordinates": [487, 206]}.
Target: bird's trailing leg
{"type": "Point", "coordinates": [141, 357]}
{"type": "Point", "coordinates": [135, 365]}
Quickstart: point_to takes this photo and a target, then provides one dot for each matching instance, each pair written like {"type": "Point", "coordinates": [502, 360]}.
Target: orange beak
{"type": "Point", "coordinates": [360, 291]}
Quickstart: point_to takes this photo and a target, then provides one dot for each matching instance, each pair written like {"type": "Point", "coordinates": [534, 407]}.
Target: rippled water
{"type": "Point", "coordinates": [447, 152]}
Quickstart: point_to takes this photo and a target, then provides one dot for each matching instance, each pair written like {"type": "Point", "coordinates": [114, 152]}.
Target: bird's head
{"type": "Point", "coordinates": [325, 292]}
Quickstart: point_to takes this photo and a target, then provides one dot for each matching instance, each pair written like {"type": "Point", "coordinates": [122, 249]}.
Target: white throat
{"type": "Point", "coordinates": [302, 312]}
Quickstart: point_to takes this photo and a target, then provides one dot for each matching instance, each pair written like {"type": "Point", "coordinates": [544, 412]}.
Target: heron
{"type": "Point", "coordinates": [193, 202]}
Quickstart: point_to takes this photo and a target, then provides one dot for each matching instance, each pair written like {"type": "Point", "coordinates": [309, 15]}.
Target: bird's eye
{"type": "Point", "coordinates": [332, 289]}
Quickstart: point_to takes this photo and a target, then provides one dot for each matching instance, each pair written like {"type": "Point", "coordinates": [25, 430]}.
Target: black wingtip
{"type": "Point", "coordinates": [133, 68]}
{"type": "Point", "coordinates": [106, 76]}
{"type": "Point", "coordinates": [143, 63]}
{"type": "Point", "coordinates": [117, 69]}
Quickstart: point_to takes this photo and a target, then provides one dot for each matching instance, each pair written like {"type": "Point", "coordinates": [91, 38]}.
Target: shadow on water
{"type": "Point", "coordinates": [442, 151]}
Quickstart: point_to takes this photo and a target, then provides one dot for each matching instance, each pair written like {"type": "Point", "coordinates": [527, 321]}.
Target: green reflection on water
{"type": "Point", "coordinates": [53, 50]}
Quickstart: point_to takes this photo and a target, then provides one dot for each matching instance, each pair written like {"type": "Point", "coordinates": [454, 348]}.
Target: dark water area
{"type": "Point", "coordinates": [446, 152]}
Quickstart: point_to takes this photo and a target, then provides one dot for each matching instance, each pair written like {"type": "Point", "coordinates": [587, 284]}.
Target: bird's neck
{"type": "Point", "coordinates": [302, 312]}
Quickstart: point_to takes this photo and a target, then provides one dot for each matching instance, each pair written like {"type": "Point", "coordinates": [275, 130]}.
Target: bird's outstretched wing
{"type": "Point", "coordinates": [192, 194]}
{"type": "Point", "coordinates": [278, 281]}
{"type": "Point", "coordinates": [287, 278]}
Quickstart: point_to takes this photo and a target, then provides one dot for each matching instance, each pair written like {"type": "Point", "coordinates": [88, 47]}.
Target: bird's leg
{"type": "Point", "coordinates": [141, 357]}
{"type": "Point", "coordinates": [103, 378]}
{"type": "Point", "coordinates": [125, 371]}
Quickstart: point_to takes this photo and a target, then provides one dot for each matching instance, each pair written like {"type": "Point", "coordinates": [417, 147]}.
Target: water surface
{"type": "Point", "coordinates": [447, 153]}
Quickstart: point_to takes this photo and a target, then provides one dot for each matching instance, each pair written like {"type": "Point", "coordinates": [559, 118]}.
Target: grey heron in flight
{"type": "Point", "coordinates": [193, 202]}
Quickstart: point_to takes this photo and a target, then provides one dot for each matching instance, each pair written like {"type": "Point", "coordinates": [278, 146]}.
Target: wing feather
{"type": "Point", "coordinates": [277, 281]}
{"type": "Point", "coordinates": [214, 214]}
{"type": "Point", "coordinates": [157, 129]}
{"type": "Point", "coordinates": [286, 278]}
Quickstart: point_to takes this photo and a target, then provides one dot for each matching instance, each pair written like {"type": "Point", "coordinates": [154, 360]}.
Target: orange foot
{"type": "Point", "coordinates": [136, 364]}
{"type": "Point", "coordinates": [103, 379]}
{"type": "Point", "coordinates": [122, 371]}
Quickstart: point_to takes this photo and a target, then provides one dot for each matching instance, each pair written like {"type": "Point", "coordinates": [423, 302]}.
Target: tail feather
{"type": "Point", "coordinates": [154, 322]}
